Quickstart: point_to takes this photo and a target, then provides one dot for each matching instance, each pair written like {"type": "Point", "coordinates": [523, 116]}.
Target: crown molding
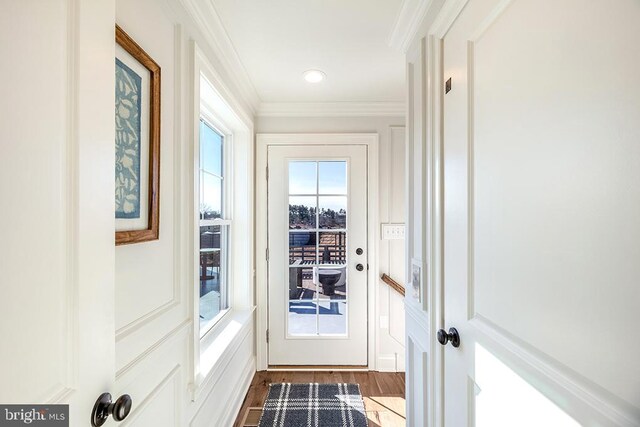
{"type": "Point", "coordinates": [209, 23]}
{"type": "Point", "coordinates": [332, 109]}
{"type": "Point", "coordinates": [407, 23]}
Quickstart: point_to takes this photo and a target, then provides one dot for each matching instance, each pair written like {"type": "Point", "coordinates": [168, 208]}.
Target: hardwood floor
{"type": "Point", "coordinates": [383, 393]}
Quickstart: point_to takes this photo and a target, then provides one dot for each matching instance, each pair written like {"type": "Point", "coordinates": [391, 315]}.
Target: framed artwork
{"type": "Point", "coordinates": [416, 278]}
{"type": "Point", "coordinates": [137, 142]}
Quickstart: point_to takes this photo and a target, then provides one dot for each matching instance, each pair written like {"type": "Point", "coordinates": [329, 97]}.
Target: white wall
{"type": "Point", "coordinates": [155, 349]}
{"type": "Point", "coordinates": [390, 324]}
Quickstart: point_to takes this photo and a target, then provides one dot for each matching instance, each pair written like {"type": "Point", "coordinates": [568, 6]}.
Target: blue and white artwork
{"type": "Point", "coordinates": [128, 141]}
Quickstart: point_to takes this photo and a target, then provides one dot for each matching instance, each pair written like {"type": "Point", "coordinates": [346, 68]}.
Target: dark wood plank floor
{"type": "Point", "coordinates": [383, 393]}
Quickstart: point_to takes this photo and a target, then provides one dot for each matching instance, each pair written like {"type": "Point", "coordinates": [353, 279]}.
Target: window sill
{"type": "Point", "coordinates": [218, 347]}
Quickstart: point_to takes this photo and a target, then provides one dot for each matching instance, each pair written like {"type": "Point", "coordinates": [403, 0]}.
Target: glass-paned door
{"type": "Point", "coordinates": [317, 255]}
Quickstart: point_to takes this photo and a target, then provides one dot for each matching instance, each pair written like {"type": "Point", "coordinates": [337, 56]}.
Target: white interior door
{"type": "Point", "coordinates": [541, 206]}
{"type": "Point", "coordinates": [317, 216]}
{"type": "Point", "coordinates": [56, 182]}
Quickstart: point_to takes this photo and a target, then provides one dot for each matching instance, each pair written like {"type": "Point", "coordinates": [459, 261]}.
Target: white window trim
{"type": "Point", "coordinates": [212, 353]}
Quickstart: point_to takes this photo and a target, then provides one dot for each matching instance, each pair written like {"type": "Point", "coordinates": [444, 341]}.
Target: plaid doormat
{"type": "Point", "coordinates": [313, 405]}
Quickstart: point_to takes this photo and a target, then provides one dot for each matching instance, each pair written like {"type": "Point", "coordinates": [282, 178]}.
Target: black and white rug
{"type": "Point", "coordinates": [313, 405]}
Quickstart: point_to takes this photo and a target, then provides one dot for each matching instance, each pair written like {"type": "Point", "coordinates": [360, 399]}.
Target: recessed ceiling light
{"type": "Point", "coordinates": [314, 76]}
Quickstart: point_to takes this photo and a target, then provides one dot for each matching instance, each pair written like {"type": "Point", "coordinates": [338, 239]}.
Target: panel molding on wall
{"type": "Point", "coordinates": [182, 329]}
{"type": "Point", "coordinates": [173, 379]}
{"type": "Point", "coordinates": [579, 395]}
{"type": "Point", "coordinates": [148, 377]}
{"type": "Point", "coordinates": [228, 390]}
{"type": "Point", "coordinates": [175, 298]}
{"type": "Point", "coordinates": [417, 383]}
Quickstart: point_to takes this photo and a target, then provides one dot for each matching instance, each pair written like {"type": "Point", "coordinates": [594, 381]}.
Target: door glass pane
{"type": "Point", "coordinates": [317, 259]}
{"type": "Point", "coordinates": [332, 283]}
{"type": "Point", "coordinates": [340, 291]}
{"type": "Point", "coordinates": [303, 317]}
{"type": "Point", "coordinates": [332, 248]}
{"type": "Point", "coordinates": [302, 212]}
{"type": "Point", "coordinates": [333, 212]}
{"type": "Point", "coordinates": [301, 284]}
{"type": "Point", "coordinates": [303, 178]}
{"type": "Point", "coordinates": [332, 177]}
{"type": "Point", "coordinates": [302, 248]}
{"type": "Point", "coordinates": [332, 318]}
{"type": "Point", "coordinates": [328, 279]}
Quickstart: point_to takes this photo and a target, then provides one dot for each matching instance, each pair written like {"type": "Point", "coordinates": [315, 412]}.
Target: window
{"type": "Point", "coordinates": [214, 228]}
{"type": "Point", "coordinates": [220, 199]}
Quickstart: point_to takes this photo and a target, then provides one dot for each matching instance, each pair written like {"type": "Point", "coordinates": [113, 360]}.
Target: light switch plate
{"type": "Point", "coordinates": [392, 231]}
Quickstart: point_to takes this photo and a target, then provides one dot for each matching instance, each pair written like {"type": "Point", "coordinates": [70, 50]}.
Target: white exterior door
{"type": "Point", "coordinates": [56, 183]}
{"type": "Point", "coordinates": [541, 207]}
{"type": "Point", "coordinates": [317, 216]}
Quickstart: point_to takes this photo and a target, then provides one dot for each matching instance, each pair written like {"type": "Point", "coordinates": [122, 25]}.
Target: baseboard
{"type": "Point", "coordinates": [386, 363]}
{"type": "Point", "coordinates": [339, 368]}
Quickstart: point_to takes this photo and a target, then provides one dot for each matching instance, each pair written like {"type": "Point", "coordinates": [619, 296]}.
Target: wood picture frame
{"type": "Point", "coordinates": [137, 220]}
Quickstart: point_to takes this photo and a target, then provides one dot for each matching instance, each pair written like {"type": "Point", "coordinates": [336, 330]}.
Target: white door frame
{"type": "Point", "coordinates": [263, 141]}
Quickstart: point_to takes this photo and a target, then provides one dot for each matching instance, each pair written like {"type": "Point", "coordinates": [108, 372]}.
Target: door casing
{"type": "Point", "coordinates": [263, 141]}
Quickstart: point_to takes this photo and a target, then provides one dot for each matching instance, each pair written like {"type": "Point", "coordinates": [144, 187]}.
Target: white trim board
{"type": "Point", "coordinates": [332, 109]}
{"type": "Point", "coordinates": [407, 23]}
{"type": "Point", "coordinates": [210, 25]}
{"type": "Point", "coordinates": [263, 141]}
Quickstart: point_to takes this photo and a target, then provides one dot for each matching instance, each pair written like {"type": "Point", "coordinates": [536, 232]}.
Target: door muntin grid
{"type": "Point", "coordinates": [317, 303]}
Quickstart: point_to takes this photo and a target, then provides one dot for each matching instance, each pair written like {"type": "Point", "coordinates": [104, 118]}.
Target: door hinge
{"type": "Point", "coordinates": [267, 173]}
{"type": "Point", "coordinates": [267, 336]}
{"type": "Point", "coordinates": [266, 254]}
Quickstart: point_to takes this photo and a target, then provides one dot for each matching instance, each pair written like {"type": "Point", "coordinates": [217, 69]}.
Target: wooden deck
{"type": "Point", "coordinates": [383, 393]}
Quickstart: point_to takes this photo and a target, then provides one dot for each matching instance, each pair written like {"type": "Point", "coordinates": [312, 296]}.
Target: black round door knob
{"type": "Point", "coordinates": [104, 407]}
{"type": "Point", "coordinates": [453, 337]}
{"type": "Point", "coordinates": [359, 267]}
{"type": "Point", "coordinates": [359, 251]}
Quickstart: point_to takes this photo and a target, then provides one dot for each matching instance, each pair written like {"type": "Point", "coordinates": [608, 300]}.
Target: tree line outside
{"type": "Point", "coordinates": [301, 216]}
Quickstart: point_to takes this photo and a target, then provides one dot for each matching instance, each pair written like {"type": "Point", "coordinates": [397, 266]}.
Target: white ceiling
{"type": "Point", "coordinates": [277, 40]}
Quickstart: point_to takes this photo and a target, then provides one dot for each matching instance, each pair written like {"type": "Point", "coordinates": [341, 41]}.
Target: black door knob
{"type": "Point", "coordinates": [359, 267]}
{"type": "Point", "coordinates": [452, 336]}
{"type": "Point", "coordinates": [359, 251]}
{"type": "Point", "coordinates": [104, 407]}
